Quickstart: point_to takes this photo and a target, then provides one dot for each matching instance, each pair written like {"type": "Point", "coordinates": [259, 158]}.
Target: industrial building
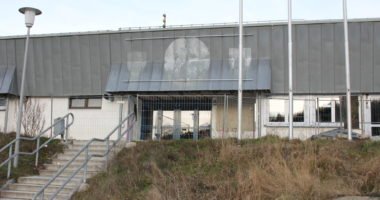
{"type": "Point", "coordinates": [181, 82]}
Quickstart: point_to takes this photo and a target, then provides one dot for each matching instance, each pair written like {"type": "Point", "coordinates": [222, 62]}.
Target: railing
{"type": "Point", "coordinates": [128, 121]}
{"type": "Point", "coordinates": [67, 120]}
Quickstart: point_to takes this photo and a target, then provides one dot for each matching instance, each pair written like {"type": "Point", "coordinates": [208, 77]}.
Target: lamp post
{"type": "Point", "coordinates": [240, 87]}
{"type": "Point", "coordinates": [290, 58]}
{"type": "Point", "coordinates": [30, 14]}
{"type": "Point", "coordinates": [348, 83]}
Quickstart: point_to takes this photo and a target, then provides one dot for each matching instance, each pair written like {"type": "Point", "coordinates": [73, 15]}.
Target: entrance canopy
{"type": "Point", "coordinates": [188, 75]}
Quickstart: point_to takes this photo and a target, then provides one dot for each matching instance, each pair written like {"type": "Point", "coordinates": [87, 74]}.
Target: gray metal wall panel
{"type": "Point", "coordinates": [206, 41]}
{"type": "Point", "coordinates": [328, 54]}
{"type": "Point", "coordinates": [3, 52]}
{"type": "Point", "coordinates": [315, 57]}
{"type": "Point", "coordinates": [7, 78]}
{"type": "Point", "coordinates": [301, 64]}
{"type": "Point", "coordinates": [11, 53]}
{"type": "Point", "coordinates": [355, 43]}
{"type": "Point", "coordinates": [158, 50]}
{"type": "Point", "coordinates": [278, 59]}
{"type": "Point", "coordinates": [376, 58]}
{"type": "Point", "coordinates": [167, 42]}
{"type": "Point", "coordinates": [105, 59]}
{"type": "Point", "coordinates": [3, 72]}
{"type": "Point", "coordinates": [228, 42]}
{"type": "Point", "coordinates": [67, 78]}
{"type": "Point", "coordinates": [76, 69]}
{"type": "Point", "coordinates": [216, 55]}
{"type": "Point", "coordinates": [126, 47]}
{"type": "Point", "coordinates": [216, 44]}
{"type": "Point", "coordinates": [56, 67]}
{"type": "Point", "coordinates": [83, 61]}
{"type": "Point", "coordinates": [116, 45]}
{"type": "Point", "coordinates": [339, 68]}
{"type": "Point", "coordinates": [47, 63]}
{"type": "Point", "coordinates": [264, 38]}
{"type": "Point", "coordinates": [39, 73]}
{"type": "Point", "coordinates": [96, 77]}
{"type": "Point", "coordinates": [366, 59]}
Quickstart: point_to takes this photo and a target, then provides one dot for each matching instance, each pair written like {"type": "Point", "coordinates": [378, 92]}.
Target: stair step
{"type": "Point", "coordinates": [92, 148]}
{"type": "Point", "coordinates": [42, 180]}
{"type": "Point", "coordinates": [68, 173]}
{"type": "Point", "coordinates": [74, 152]}
{"type": "Point", "coordinates": [90, 166]}
{"type": "Point", "coordinates": [36, 188]}
{"type": "Point", "coordinates": [29, 195]}
{"type": "Point", "coordinates": [84, 142]}
{"type": "Point", "coordinates": [80, 157]}
{"type": "Point", "coordinates": [26, 187]}
{"type": "Point", "coordinates": [77, 162]}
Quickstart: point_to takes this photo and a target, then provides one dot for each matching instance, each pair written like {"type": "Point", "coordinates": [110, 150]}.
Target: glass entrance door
{"type": "Point", "coordinates": [181, 124]}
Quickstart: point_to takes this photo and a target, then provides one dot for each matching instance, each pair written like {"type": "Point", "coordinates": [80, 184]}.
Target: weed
{"type": "Point", "coordinates": [266, 168]}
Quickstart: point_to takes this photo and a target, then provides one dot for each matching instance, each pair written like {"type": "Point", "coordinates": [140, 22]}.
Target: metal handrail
{"type": "Point", "coordinates": [130, 124]}
{"type": "Point", "coordinates": [11, 155]}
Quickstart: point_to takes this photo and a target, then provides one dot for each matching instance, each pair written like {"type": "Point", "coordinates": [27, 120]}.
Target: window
{"type": "Point", "coordinates": [276, 110]}
{"type": "Point", "coordinates": [298, 111]}
{"type": "Point", "coordinates": [85, 102]}
{"type": "Point", "coordinates": [328, 110]}
{"type": "Point", "coordinates": [375, 117]}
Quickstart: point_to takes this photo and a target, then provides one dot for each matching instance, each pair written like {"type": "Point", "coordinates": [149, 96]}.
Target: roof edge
{"type": "Point", "coordinates": [193, 26]}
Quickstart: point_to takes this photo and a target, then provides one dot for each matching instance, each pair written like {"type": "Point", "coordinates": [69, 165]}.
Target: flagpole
{"type": "Point", "coordinates": [290, 58]}
{"type": "Point", "coordinates": [348, 83]}
{"type": "Point", "coordinates": [240, 87]}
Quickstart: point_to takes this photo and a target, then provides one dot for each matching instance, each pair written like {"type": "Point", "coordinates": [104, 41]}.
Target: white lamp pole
{"type": "Point", "coordinates": [240, 89]}
{"type": "Point", "coordinates": [30, 14]}
{"type": "Point", "coordinates": [290, 58]}
{"type": "Point", "coordinates": [348, 82]}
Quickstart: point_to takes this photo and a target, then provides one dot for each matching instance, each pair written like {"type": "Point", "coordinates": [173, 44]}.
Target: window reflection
{"type": "Point", "coordinates": [298, 111]}
{"type": "Point", "coordinates": [276, 110]}
{"type": "Point", "coordinates": [325, 110]}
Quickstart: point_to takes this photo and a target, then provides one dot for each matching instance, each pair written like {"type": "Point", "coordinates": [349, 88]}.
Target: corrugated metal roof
{"type": "Point", "coordinates": [71, 65]}
{"type": "Point", "coordinates": [8, 80]}
{"type": "Point", "coordinates": [196, 75]}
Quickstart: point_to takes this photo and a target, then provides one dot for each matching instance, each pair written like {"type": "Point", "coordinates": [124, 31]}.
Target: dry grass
{"type": "Point", "coordinates": [26, 163]}
{"type": "Point", "coordinates": [268, 168]}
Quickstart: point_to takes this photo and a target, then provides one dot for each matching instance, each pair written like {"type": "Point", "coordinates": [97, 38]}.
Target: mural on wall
{"type": "Point", "coordinates": [137, 61]}
{"type": "Point", "coordinates": [234, 58]}
{"type": "Point", "coordinates": [186, 59]}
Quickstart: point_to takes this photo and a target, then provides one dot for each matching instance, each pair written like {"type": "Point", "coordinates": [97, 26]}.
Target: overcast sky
{"type": "Point", "coordinates": [90, 15]}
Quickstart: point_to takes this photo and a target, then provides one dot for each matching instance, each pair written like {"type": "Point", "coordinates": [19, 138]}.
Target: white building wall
{"type": "Point", "coordinates": [88, 123]}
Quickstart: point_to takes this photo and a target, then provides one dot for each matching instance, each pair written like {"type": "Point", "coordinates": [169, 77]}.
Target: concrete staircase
{"type": "Point", "coordinates": [26, 187]}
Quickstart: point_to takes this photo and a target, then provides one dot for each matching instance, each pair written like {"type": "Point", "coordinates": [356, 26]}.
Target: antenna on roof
{"type": "Point", "coordinates": [164, 21]}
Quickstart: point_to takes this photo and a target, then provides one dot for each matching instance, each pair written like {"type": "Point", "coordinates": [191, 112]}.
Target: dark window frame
{"type": "Point", "coordinates": [86, 101]}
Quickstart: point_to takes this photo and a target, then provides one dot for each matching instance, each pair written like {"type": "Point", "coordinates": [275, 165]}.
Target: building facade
{"type": "Point", "coordinates": [182, 82]}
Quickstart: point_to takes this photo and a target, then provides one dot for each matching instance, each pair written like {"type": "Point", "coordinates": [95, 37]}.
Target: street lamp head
{"type": "Point", "coordinates": [29, 13]}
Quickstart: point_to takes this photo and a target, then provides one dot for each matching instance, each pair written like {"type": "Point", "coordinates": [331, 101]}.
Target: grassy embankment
{"type": "Point", "coordinates": [26, 163]}
{"type": "Point", "coordinates": [268, 168]}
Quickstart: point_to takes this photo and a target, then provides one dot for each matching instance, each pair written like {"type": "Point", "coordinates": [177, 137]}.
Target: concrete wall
{"type": "Point", "coordinates": [218, 117]}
